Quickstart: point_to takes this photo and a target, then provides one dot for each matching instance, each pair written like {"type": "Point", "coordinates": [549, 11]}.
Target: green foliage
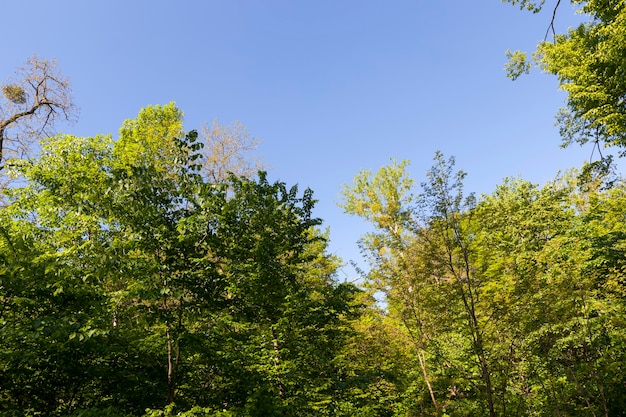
{"type": "Point", "coordinates": [517, 64]}
{"type": "Point", "coordinates": [170, 411]}
{"type": "Point", "coordinates": [380, 198]}
{"type": "Point", "coordinates": [530, 5]}
{"type": "Point", "coordinates": [589, 63]}
{"type": "Point", "coordinates": [150, 138]}
{"type": "Point", "coordinates": [129, 283]}
{"type": "Point", "coordinates": [508, 305]}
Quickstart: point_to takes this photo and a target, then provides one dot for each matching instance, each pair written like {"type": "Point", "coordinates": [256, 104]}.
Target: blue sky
{"type": "Point", "coordinates": [329, 86]}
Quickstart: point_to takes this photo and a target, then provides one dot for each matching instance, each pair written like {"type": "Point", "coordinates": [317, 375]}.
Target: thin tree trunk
{"type": "Point", "coordinates": [487, 379]}
{"type": "Point", "coordinates": [419, 344]}
{"type": "Point", "coordinates": [281, 387]}
{"type": "Point", "coordinates": [420, 356]}
{"type": "Point", "coordinates": [173, 359]}
{"type": "Point", "coordinates": [469, 302]}
{"type": "Point", "coordinates": [581, 390]}
{"type": "Point", "coordinates": [171, 376]}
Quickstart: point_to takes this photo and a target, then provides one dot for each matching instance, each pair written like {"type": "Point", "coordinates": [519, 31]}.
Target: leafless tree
{"type": "Point", "coordinates": [30, 105]}
{"type": "Point", "coordinates": [229, 149]}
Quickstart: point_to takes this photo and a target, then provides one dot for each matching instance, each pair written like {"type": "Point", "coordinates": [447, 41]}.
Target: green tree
{"type": "Point", "coordinates": [589, 63]}
{"type": "Point", "coordinates": [541, 255]}
{"type": "Point", "coordinates": [55, 317]}
{"type": "Point", "coordinates": [385, 199]}
{"type": "Point", "coordinates": [423, 261]}
{"type": "Point", "coordinates": [128, 281]}
{"type": "Point", "coordinates": [283, 311]}
{"type": "Point", "coordinates": [378, 373]}
{"type": "Point", "coordinates": [510, 303]}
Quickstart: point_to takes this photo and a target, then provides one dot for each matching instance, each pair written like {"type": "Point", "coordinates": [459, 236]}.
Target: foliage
{"type": "Point", "coordinates": [129, 282]}
{"type": "Point", "coordinates": [14, 93]}
{"type": "Point", "coordinates": [505, 304]}
{"type": "Point", "coordinates": [156, 275]}
{"type": "Point", "coordinates": [517, 64]}
{"type": "Point", "coordinates": [589, 63]}
{"type": "Point", "coordinates": [530, 5]}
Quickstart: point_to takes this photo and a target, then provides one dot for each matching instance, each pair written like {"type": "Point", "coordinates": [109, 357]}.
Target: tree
{"type": "Point", "coordinates": [423, 260]}
{"type": "Point", "coordinates": [541, 257]}
{"type": "Point", "coordinates": [55, 314]}
{"type": "Point", "coordinates": [282, 319]}
{"type": "Point", "coordinates": [229, 149]}
{"type": "Point", "coordinates": [129, 281]}
{"type": "Point", "coordinates": [114, 264]}
{"type": "Point", "coordinates": [384, 199]}
{"type": "Point", "coordinates": [589, 63]}
{"type": "Point", "coordinates": [508, 305]}
{"type": "Point", "coordinates": [30, 106]}
{"type": "Point", "coordinates": [519, 227]}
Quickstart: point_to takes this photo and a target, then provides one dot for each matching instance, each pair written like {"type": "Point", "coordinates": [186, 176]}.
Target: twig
{"type": "Point", "coordinates": [551, 25]}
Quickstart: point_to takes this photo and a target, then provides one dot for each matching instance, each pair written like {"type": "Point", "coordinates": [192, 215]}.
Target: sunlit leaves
{"type": "Point", "coordinates": [517, 64]}
{"type": "Point", "coordinates": [381, 198]}
{"type": "Point", "coordinates": [529, 276]}
{"type": "Point", "coordinates": [130, 281]}
{"type": "Point", "coordinates": [530, 5]}
{"type": "Point", "coordinates": [589, 63]}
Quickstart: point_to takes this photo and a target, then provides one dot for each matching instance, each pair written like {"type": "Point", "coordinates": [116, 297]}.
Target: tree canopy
{"type": "Point", "coordinates": [160, 273]}
{"type": "Point", "coordinates": [129, 281]}
{"type": "Point", "coordinates": [589, 63]}
{"type": "Point", "coordinates": [508, 304]}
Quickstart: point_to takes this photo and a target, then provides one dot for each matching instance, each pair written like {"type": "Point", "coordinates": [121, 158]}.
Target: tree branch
{"type": "Point", "coordinates": [551, 25]}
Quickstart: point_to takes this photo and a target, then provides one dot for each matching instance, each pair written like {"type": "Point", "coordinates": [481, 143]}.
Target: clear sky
{"type": "Point", "coordinates": [329, 86]}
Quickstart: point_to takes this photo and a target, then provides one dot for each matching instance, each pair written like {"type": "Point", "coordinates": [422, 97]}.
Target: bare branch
{"type": "Point", "coordinates": [229, 149]}
{"type": "Point", "coordinates": [32, 103]}
{"type": "Point", "coordinates": [551, 25]}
